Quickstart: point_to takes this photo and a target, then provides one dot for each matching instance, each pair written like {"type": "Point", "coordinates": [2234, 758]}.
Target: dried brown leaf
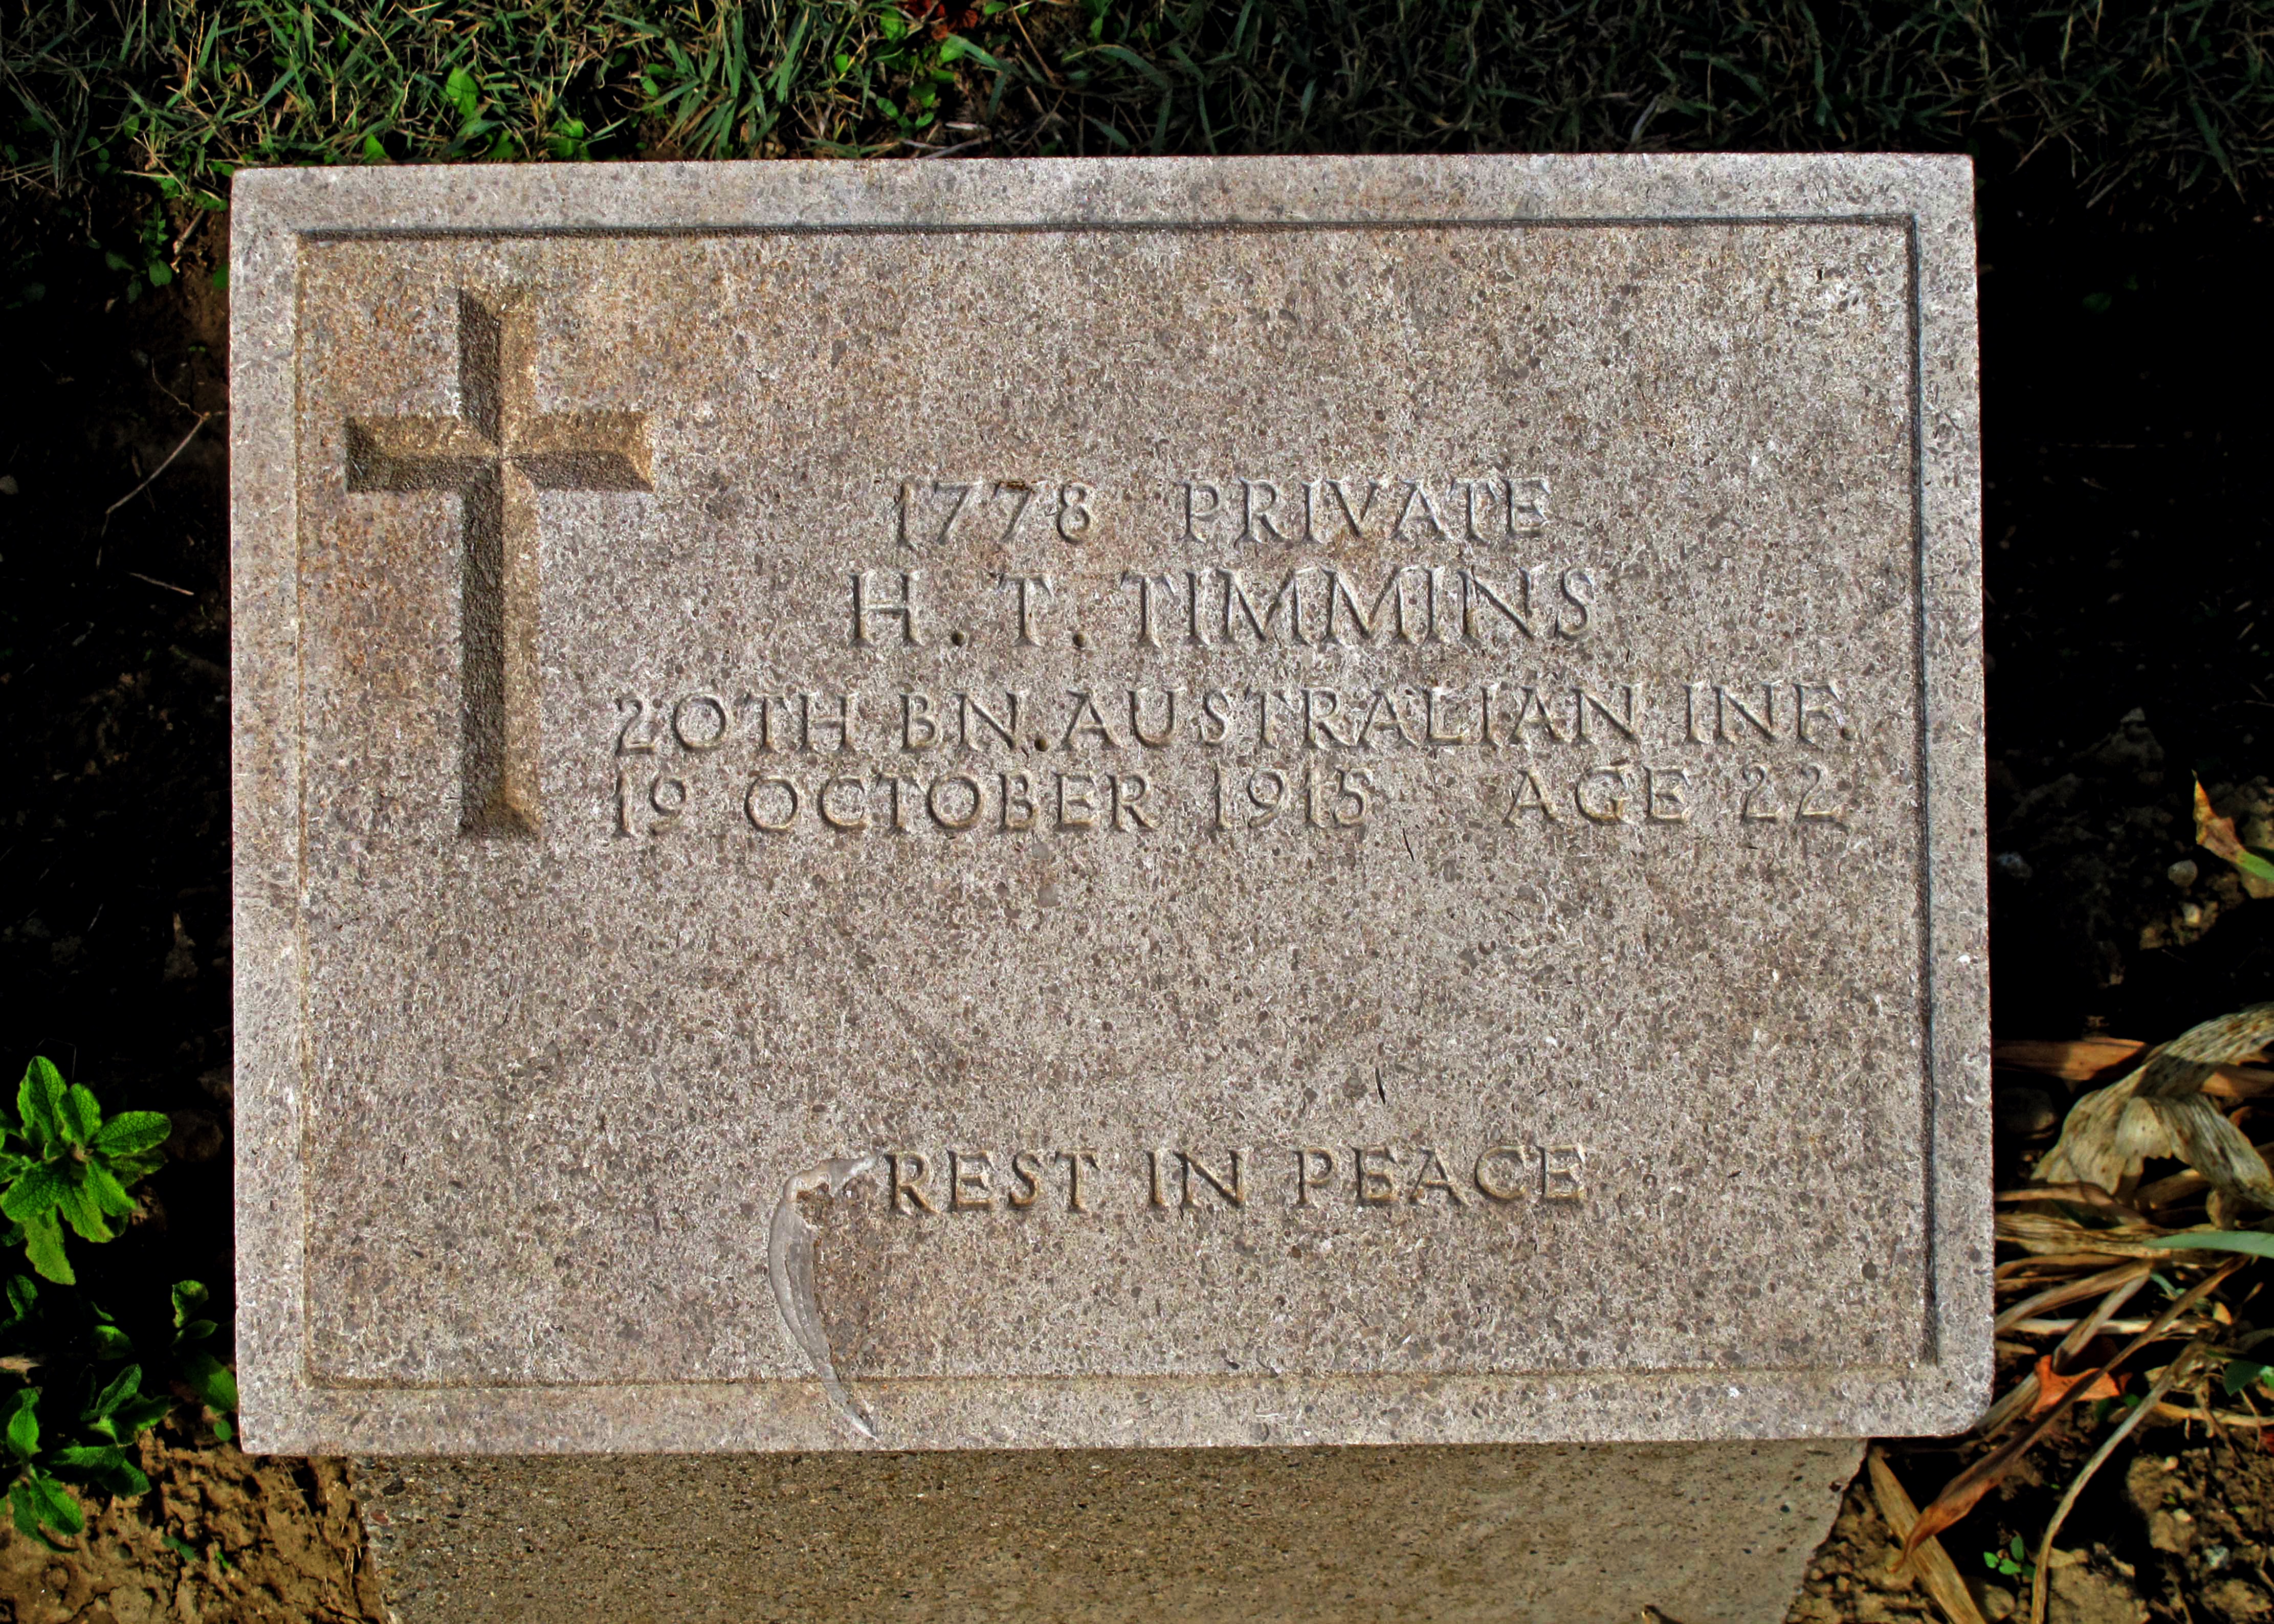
{"type": "Point", "coordinates": [2072, 1292]}
{"type": "Point", "coordinates": [2160, 1110]}
{"type": "Point", "coordinates": [2048, 1266]}
{"type": "Point", "coordinates": [2079, 1195]}
{"type": "Point", "coordinates": [2215, 834]}
{"type": "Point", "coordinates": [2179, 1186]}
{"type": "Point", "coordinates": [1963, 1492]}
{"type": "Point", "coordinates": [2116, 1288]}
{"type": "Point", "coordinates": [2052, 1387]}
{"type": "Point", "coordinates": [1935, 1571]}
{"type": "Point", "coordinates": [2109, 1135]}
{"type": "Point", "coordinates": [2088, 1328]}
{"type": "Point", "coordinates": [2065, 1238]}
{"type": "Point", "coordinates": [2182, 1065]}
{"type": "Point", "coordinates": [2075, 1061]}
{"type": "Point", "coordinates": [2237, 1083]}
{"type": "Point", "coordinates": [2163, 1385]}
{"type": "Point", "coordinates": [2219, 1150]}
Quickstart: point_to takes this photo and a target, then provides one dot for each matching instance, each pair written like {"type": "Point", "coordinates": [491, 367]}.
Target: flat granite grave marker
{"type": "Point", "coordinates": [1109, 807]}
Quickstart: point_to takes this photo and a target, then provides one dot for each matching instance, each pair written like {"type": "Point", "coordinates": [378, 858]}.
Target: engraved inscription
{"type": "Point", "coordinates": [930, 514]}
{"type": "Point", "coordinates": [1308, 604]}
{"type": "Point", "coordinates": [1225, 761]}
{"type": "Point", "coordinates": [1156, 722]}
{"type": "Point", "coordinates": [1500, 1175]}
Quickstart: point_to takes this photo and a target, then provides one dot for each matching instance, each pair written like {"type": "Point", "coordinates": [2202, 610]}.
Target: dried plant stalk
{"type": "Point", "coordinates": [2160, 1109]}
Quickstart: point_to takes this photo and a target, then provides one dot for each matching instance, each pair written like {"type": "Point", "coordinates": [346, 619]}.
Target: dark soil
{"type": "Point", "coordinates": [2175, 1531]}
{"type": "Point", "coordinates": [2129, 567]}
{"type": "Point", "coordinates": [114, 679]}
{"type": "Point", "coordinates": [267, 1540]}
{"type": "Point", "coordinates": [2130, 606]}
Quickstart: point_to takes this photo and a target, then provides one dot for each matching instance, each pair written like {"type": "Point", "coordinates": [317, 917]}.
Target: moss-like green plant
{"type": "Point", "coordinates": [61, 1162]}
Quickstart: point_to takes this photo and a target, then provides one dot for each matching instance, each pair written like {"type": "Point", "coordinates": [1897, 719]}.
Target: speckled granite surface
{"type": "Point", "coordinates": [943, 806]}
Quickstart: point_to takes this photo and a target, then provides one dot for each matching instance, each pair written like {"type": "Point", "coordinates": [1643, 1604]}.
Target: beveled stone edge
{"type": "Point", "coordinates": [274, 210]}
{"type": "Point", "coordinates": [267, 873]}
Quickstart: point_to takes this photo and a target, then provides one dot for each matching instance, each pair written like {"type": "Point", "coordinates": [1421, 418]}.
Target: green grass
{"type": "Point", "coordinates": [2169, 101]}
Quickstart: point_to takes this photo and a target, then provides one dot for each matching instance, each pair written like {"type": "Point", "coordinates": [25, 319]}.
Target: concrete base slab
{"type": "Point", "coordinates": [1703, 1533]}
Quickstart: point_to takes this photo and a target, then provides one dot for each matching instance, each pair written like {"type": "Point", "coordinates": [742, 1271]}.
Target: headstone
{"type": "Point", "coordinates": [1109, 807]}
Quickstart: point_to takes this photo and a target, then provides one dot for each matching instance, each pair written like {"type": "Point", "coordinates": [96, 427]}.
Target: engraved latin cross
{"type": "Point", "coordinates": [497, 454]}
